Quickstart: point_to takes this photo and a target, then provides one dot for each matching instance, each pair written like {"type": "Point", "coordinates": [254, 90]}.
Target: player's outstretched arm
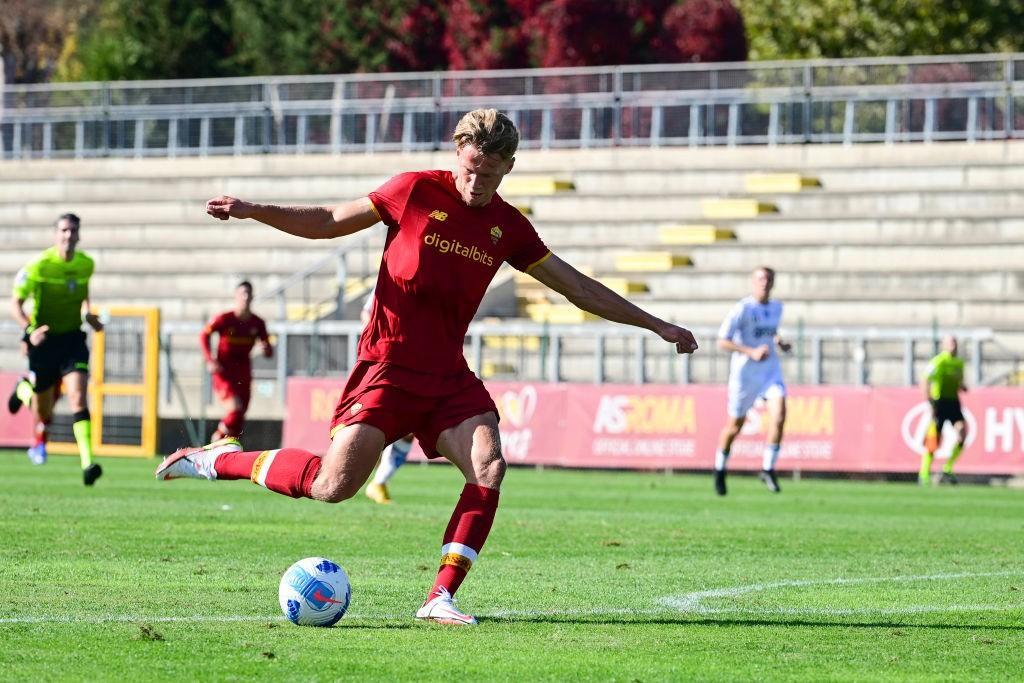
{"type": "Point", "coordinates": [593, 297]}
{"type": "Point", "coordinates": [311, 222]}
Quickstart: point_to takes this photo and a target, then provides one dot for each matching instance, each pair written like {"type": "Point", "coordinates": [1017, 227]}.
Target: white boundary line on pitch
{"type": "Point", "coordinates": [687, 603]}
{"type": "Point", "coordinates": [693, 602]}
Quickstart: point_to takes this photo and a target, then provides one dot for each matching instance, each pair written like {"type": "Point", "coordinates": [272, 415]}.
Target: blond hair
{"type": "Point", "coordinates": [489, 131]}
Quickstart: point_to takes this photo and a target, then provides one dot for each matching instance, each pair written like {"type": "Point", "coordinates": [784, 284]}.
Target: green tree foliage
{"type": "Point", "coordinates": [127, 39]}
{"type": "Point", "coordinates": [310, 36]}
{"type": "Point", "coordinates": [797, 29]}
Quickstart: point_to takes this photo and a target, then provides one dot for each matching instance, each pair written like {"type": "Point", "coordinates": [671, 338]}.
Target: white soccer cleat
{"type": "Point", "coordinates": [196, 463]}
{"type": "Point", "coordinates": [441, 610]}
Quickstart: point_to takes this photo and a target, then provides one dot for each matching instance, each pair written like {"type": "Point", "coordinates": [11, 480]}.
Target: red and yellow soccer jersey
{"type": "Point", "coordinates": [439, 257]}
{"type": "Point", "coordinates": [236, 339]}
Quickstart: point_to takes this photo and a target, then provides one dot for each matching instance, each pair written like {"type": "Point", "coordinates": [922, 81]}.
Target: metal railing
{"type": "Point", "coordinates": [604, 352]}
{"type": "Point", "coordinates": [350, 280]}
{"type": "Point", "coordinates": [595, 352]}
{"type": "Point", "coordinates": [968, 97]}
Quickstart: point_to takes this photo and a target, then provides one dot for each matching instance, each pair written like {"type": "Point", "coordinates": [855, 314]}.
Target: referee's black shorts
{"type": "Point", "coordinates": [946, 410]}
{"type": "Point", "coordinates": [58, 355]}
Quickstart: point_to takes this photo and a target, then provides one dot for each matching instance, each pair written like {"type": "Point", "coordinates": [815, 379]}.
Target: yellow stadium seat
{"type": "Point", "coordinates": [653, 261]}
{"type": "Point", "coordinates": [694, 234]}
{"type": "Point", "coordinates": [296, 311]}
{"type": "Point", "coordinates": [494, 369]}
{"type": "Point", "coordinates": [736, 208]}
{"type": "Point", "coordinates": [624, 286]}
{"type": "Point", "coordinates": [779, 182]}
{"type": "Point", "coordinates": [514, 186]}
{"type": "Point", "coordinates": [561, 314]}
{"type": "Point", "coordinates": [510, 342]}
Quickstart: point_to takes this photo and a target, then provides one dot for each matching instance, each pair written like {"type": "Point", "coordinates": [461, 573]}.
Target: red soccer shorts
{"type": "Point", "coordinates": [227, 387]}
{"type": "Point", "coordinates": [399, 401]}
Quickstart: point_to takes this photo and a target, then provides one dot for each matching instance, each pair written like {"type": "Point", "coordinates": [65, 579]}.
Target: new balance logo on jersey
{"type": "Point", "coordinates": [456, 247]}
{"type": "Point", "coordinates": [438, 215]}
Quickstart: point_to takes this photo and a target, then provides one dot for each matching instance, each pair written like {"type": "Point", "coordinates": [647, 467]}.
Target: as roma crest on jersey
{"type": "Point", "coordinates": [495, 234]}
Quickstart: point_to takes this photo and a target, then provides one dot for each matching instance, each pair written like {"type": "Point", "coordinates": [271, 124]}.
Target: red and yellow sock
{"type": "Point", "coordinates": [467, 530]}
{"type": "Point", "coordinates": [289, 471]}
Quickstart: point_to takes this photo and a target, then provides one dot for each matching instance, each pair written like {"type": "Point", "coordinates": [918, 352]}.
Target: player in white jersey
{"type": "Point", "coordinates": [751, 333]}
{"type": "Point", "coordinates": [394, 454]}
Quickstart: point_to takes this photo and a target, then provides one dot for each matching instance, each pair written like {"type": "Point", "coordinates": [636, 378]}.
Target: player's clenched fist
{"type": "Point", "coordinates": [681, 337]}
{"type": "Point", "coordinates": [224, 207]}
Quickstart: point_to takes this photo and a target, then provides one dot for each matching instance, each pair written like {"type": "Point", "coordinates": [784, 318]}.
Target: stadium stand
{"type": "Point", "coordinates": [862, 235]}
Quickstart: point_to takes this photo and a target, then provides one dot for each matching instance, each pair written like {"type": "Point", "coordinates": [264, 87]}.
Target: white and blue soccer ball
{"type": "Point", "coordinates": [314, 592]}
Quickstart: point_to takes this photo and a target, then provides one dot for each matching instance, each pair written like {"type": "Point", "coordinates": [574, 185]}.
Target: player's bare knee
{"type": "Point", "coordinates": [332, 488]}
{"type": "Point", "coordinates": [332, 493]}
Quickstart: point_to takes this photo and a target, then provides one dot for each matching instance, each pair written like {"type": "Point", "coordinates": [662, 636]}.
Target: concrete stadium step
{"type": "Point", "coordinates": [578, 207]}
{"type": "Point", "coordinates": [181, 261]}
{"type": "Point", "coordinates": [877, 284]}
{"type": "Point", "coordinates": [733, 181]}
{"type": "Point", "coordinates": [199, 189]}
{"type": "Point", "coordinates": [845, 313]}
{"type": "Point", "coordinates": [340, 186]}
{"type": "Point", "coordinates": [850, 230]}
{"type": "Point", "coordinates": [803, 158]}
{"type": "Point", "coordinates": [949, 202]}
{"type": "Point", "coordinates": [205, 233]}
{"type": "Point", "coordinates": [44, 213]}
{"type": "Point", "coordinates": [815, 257]}
{"type": "Point", "coordinates": [208, 235]}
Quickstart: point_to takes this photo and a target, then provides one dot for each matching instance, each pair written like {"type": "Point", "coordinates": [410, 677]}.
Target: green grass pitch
{"type": "Point", "coordinates": [586, 576]}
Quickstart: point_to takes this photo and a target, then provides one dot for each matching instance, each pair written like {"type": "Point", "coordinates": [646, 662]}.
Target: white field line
{"type": "Point", "coordinates": [687, 603]}
{"type": "Point", "coordinates": [693, 602]}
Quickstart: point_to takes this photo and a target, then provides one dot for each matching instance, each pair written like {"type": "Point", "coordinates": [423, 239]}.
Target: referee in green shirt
{"type": "Point", "coordinates": [57, 285]}
{"type": "Point", "coordinates": [943, 384]}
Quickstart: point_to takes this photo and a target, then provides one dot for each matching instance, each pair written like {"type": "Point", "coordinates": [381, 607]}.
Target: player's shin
{"type": "Point", "coordinates": [924, 475]}
{"type": "Point", "coordinates": [82, 427]}
{"type": "Point", "coordinates": [721, 458]}
{"type": "Point", "coordinates": [948, 467]}
{"type": "Point", "coordinates": [770, 457]}
{"type": "Point", "coordinates": [42, 433]}
{"type": "Point", "coordinates": [468, 529]}
{"type": "Point", "coordinates": [289, 471]}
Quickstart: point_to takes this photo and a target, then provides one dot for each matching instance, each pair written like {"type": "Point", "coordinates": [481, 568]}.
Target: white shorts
{"type": "Point", "coordinates": [742, 395]}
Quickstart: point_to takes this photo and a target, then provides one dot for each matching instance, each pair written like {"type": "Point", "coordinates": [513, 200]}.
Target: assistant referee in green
{"type": "Point", "coordinates": [57, 284]}
{"type": "Point", "coordinates": [942, 385]}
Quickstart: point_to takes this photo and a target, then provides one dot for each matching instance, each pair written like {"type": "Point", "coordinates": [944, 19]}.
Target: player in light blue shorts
{"type": "Point", "coordinates": [751, 334]}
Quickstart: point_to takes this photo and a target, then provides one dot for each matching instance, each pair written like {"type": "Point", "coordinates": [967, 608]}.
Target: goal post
{"type": "Point", "coordinates": [123, 384]}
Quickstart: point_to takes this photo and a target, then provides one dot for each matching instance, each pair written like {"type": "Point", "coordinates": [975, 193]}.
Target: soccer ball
{"type": "Point", "coordinates": [314, 592]}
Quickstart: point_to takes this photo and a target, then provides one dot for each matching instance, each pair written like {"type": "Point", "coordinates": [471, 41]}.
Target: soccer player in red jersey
{"type": "Point", "coordinates": [447, 234]}
{"type": "Point", "coordinates": [238, 331]}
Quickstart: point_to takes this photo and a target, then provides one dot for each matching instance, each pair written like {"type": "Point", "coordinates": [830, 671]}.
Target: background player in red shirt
{"type": "Point", "coordinates": [237, 330]}
{"type": "Point", "coordinates": [448, 232]}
